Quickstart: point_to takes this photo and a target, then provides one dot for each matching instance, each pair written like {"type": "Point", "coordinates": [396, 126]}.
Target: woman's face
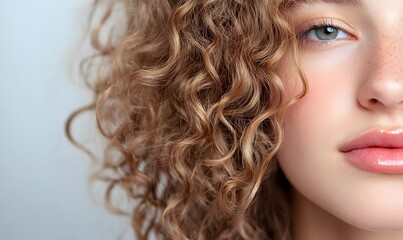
{"type": "Point", "coordinates": [343, 148]}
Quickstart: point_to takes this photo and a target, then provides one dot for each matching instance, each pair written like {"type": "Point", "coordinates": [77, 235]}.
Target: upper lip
{"type": "Point", "coordinates": [375, 138]}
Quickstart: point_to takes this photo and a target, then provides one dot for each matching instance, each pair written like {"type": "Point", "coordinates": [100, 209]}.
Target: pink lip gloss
{"type": "Point", "coordinates": [376, 151]}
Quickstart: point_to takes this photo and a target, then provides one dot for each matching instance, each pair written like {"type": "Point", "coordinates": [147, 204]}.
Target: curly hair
{"type": "Point", "coordinates": [191, 104]}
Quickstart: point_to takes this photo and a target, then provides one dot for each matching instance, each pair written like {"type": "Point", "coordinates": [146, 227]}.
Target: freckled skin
{"type": "Point", "coordinates": [354, 85]}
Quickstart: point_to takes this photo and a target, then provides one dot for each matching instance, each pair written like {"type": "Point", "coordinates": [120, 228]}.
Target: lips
{"type": "Point", "coordinates": [376, 151]}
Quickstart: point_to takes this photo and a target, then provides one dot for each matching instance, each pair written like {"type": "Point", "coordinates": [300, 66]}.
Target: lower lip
{"type": "Point", "coordinates": [380, 160]}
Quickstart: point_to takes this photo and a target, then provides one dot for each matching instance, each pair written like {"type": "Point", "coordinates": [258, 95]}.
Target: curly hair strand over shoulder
{"type": "Point", "coordinates": [189, 97]}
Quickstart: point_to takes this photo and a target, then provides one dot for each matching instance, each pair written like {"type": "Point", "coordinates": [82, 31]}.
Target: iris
{"type": "Point", "coordinates": [326, 33]}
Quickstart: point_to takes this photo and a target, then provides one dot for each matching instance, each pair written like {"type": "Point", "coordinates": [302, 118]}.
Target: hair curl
{"type": "Point", "coordinates": [191, 104]}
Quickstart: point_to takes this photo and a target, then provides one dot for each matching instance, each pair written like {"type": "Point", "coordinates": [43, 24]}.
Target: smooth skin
{"type": "Point", "coordinates": [355, 74]}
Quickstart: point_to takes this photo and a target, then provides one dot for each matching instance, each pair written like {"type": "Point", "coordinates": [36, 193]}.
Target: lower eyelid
{"type": "Point", "coordinates": [318, 43]}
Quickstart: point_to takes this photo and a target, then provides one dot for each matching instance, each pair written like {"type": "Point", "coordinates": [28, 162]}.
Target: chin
{"type": "Point", "coordinates": [378, 207]}
{"type": "Point", "coordinates": [376, 220]}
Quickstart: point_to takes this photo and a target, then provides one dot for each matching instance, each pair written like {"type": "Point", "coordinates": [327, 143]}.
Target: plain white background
{"type": "Point", "coordinates": [43, 178]}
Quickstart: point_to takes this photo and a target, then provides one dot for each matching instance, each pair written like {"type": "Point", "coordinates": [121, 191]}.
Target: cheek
{"type": "Point", "coordinates": [314, 118]}
{"type": "Point", "coordinates": [330, 98]}
{"type": "Point", "coordinates": [330, 86]}
{"type": "Point", "coordinates": [309, 155]}
{"type": "Point", "coordinates": [309, 139]}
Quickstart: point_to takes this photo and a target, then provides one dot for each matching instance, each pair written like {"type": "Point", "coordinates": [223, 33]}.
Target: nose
{"type": "Point", "coordinates": [382, 88]}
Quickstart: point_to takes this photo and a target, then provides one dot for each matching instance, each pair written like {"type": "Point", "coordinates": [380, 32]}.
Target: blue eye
{"type": "Point", "coordinates": [325, 33]}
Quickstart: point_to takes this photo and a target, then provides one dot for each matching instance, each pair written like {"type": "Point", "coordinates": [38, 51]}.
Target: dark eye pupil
{"type": "Point", "coordinates": [326, 33]}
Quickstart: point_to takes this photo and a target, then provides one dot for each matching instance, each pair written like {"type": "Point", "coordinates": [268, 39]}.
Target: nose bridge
{"type": "Point", "coordinates": [383, 87]}
{"type": "Point", "coordinates": [387, 55]}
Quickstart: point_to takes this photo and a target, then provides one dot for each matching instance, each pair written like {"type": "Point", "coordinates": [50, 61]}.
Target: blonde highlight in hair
{"type": "Point", "coordinates": [191, 104]}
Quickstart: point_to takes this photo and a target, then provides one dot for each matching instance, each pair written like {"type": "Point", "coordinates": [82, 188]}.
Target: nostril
{"type": "Point", "coordinates": [373, 101]}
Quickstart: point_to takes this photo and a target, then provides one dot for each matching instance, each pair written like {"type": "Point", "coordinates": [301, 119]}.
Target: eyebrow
{"type": "Point", "coordinates": [352, 3]}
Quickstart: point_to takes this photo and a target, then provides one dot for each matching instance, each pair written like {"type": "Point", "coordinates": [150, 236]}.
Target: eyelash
{"type": "Point", "coordinates": [302, 37]}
